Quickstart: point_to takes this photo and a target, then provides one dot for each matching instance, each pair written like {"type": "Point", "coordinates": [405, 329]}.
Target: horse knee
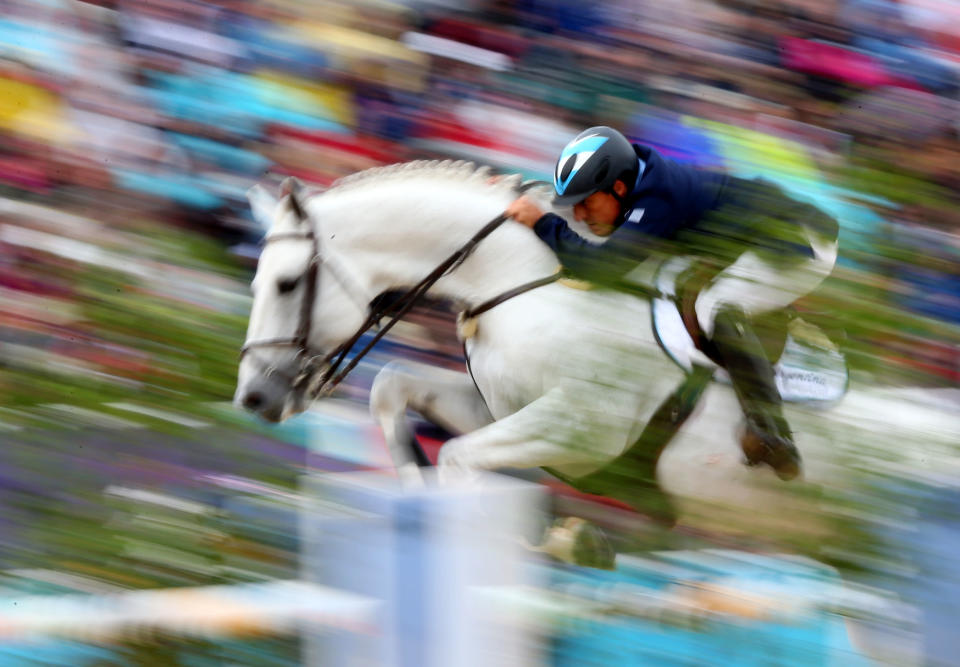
{"type": "Point", "coordinates": [387, 393]}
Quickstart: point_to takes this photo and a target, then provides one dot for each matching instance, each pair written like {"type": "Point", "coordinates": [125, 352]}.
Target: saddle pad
{"type": "Point", "coordinates": [810, 370]}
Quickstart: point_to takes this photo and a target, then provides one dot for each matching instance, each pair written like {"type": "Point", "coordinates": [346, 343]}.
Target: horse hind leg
{"type": "Point", "coordinates": [578, 542]}
{"type": "Point", "coordinates": [446, 398]}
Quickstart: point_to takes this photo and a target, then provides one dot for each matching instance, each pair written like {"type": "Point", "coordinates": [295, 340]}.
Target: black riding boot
{"type": "Point", "coordinates": [767, 438]}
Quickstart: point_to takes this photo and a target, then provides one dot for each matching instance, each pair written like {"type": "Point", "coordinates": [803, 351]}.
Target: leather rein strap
{"type": "Point", "coordinates": [466, 320]}
{"type": "Point", "coordinates": [470, 313]}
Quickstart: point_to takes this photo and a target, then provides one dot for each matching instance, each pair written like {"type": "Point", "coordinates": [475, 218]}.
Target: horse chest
{"type": "Point", "coordinates": [522, 351]}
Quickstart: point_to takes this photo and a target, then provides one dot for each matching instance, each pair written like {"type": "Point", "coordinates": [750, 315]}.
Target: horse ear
{"type": "Point", "coordinates": [291, 185]}
{"type": "Point", "coordinates": [262, 205]}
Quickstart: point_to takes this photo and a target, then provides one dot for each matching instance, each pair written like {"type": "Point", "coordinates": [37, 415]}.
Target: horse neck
{"type": "Point", "coordinates": [397, 234]}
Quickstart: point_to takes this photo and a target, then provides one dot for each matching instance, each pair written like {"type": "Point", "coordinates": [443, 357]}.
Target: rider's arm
{"type": "Point", "coordinates": [556, 233]}
{"type": "Point", "coordinates": [604, 263]}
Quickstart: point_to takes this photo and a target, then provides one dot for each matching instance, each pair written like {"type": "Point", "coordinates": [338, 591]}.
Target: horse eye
{"type": "Point", "coordinates": [288, 285]}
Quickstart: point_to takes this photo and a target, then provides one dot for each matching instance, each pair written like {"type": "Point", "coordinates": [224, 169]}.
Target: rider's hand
{"type": "Point", "coordinates": [524, 211]}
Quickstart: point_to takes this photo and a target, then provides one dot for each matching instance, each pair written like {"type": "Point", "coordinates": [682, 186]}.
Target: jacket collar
{"type": "Point", "coordinates": [646, 158]}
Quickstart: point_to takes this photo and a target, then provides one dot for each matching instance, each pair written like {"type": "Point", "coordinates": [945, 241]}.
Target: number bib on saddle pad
{"type": "Point", "coordinates": [810, 370]}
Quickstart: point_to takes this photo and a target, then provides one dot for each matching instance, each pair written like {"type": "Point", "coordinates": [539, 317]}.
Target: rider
{"type": "Point", "coordinates": [762, 248]}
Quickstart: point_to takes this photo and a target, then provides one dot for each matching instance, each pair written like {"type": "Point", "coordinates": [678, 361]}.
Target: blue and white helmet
{"type": "Point", "coordinates": [591, 163]}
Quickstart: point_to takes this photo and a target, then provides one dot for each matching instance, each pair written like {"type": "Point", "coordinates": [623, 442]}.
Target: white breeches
{"type": "Point", "coordinates": [759, 287]}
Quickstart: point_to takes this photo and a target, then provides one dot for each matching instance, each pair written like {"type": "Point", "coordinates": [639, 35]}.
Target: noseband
{"type": "Point", "coordinates": [313, 361]}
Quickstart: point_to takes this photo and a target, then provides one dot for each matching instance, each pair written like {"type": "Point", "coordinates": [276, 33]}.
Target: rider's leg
{"type": "Point", "coordinates": [752, 377]}
{"type": "Point", "coordinates": [748, 287]}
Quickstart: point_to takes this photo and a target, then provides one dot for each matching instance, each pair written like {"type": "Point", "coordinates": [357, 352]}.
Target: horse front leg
{"type": "Point", "coordinates": [547, 432]}
{"type": "Point", "coordinates": [443, 397]}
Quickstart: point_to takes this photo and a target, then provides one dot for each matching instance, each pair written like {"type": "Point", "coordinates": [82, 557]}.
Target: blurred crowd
{"type": "Point", "coordinates": [130, 131]}
{"type": "Point", "coordinates": [119, 117]}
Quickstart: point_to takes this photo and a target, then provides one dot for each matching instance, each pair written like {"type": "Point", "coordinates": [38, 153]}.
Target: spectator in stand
{"type": "Point", "coordinates": [880, 29]}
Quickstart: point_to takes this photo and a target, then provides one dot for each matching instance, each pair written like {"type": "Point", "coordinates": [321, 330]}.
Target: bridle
{"type": "Point", "coordinates": [301, 336]}
{"type": "Point", "coordinates": [309, 377]}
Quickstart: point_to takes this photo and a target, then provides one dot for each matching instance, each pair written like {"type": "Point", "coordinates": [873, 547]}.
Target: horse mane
{"type": "Point", "coordinates": [458, 170]}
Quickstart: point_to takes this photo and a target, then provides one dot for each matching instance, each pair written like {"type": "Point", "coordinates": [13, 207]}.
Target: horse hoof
{"type": "Point", "coordinates": [578, 542]}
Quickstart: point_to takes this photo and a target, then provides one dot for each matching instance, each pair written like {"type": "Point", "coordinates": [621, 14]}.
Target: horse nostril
{"type": "Point", "coordinates": [253, 400]}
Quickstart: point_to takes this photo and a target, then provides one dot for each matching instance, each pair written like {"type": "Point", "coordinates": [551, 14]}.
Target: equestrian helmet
{"type": "Point", "coordinates": [591, 163]}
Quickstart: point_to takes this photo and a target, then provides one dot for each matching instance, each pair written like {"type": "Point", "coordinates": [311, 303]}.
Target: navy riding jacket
{"type": "Point", "coordinates": [696, 212]}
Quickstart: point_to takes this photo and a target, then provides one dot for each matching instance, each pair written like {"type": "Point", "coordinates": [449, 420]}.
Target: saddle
{"type": "Point", "coordinates": [808, 366]}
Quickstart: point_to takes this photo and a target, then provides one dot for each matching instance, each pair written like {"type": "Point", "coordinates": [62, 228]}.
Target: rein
{"type": "Point", "coordinates": [466, 320]}
{"type": "Point", "coordinates": [332, 374]}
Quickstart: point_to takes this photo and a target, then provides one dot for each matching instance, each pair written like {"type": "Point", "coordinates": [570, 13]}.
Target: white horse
{"type": "Point", "coordinates": [562, 378]}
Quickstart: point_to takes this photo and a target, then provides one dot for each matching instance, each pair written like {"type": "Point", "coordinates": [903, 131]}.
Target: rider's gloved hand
{"type": "Point", "coordinates": [525, 211]}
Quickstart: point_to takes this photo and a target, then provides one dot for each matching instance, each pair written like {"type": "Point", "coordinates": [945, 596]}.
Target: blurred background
{"type": "Point", "coordinates": [130, 131]}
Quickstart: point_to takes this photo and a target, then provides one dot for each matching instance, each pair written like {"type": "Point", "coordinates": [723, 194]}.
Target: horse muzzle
{"type": "Point", "coordinates": [263, 402]}
{"type": "Point", "coordinates": [270, 395]}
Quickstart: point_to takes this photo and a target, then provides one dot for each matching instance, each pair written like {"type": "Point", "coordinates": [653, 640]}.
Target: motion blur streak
{"type": "Point", "coordinates": [130, 133]}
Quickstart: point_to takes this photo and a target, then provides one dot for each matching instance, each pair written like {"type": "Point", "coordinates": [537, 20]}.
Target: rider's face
{"type": "Point", "coordinates": [600, 210]}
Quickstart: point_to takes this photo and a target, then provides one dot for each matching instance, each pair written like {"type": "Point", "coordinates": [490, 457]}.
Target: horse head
{"type": "Point", "coordinates": [327, 259]}
{"type": "Point", "coordinates": [286, 344]}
